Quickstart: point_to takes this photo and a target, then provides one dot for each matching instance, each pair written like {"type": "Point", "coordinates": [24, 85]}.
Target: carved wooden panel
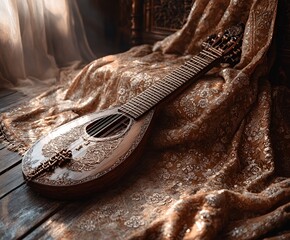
{"type": "Point", "coordinates": [169, 15]}
{"type": "Point", "coordinates": [162, 17]}
{"type": "Point", "coordinates": [146, 21]}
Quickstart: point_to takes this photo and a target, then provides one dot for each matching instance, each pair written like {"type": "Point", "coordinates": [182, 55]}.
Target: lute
{"type": "Point", "coordinates": [93, 151]}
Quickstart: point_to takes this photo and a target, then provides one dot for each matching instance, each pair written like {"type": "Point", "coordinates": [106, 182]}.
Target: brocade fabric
{"type": "Point", "coordinates": [217, 162]}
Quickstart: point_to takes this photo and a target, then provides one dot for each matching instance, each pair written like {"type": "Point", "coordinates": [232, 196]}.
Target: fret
{"type": "Point", "coordinates": [198, 63]}
{"type": "Point", "coordinates": [152, 96]}
{"type": "Point", "coordinates": [131, 110]}
{"type": "Point", "coordinates": [158, 92]}
{"type": "Point", "coordinates": [176, 73]}
{"type": "Point", "coordinates": [143, 102]}
{"type": "Point", "coordinates": [139, 111]}
{"type": "Point", "coordinates": [210, 58]}
{"type": "Point", "coordinates": [128, 112]}
{"type": "Point", "coordinates": [195, 60]}
{"type": "Point", "coordinates": [165, 84]}
{"type": "Point", "coordinates": [202, 60]}
{"type": "Point", "coordinates": [180, 77]}
{"type": "Point", "coordinates": [140, 104]}
{"type": "Point", "coordinates": [171, 84]}
{"type": "Point", "coordinates": [176, 77]}
{"type": "Point", "coordinates": [218, 52]}
{"type": "Point", "coordinates": [161, 88]}
{"type": "Point", "coordinates": [201, 57]}
{"type": "Point", "coordinates": [209, 55]}
{"type": "Point", "coordinates": [170, 81]}
{"type": "Point", "coordinates": [188, 72]}
{"type": "Point", "coordinates": [195, 65]}
{"type": "Point", "coordinates": [190, 68]}
{"type": "Point", "coordinates": [144, 99]}
{"type": "Point", "coordinates": [142, 107]}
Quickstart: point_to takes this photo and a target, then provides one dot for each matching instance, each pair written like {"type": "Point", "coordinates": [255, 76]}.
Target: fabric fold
{"type": "Point", "coordinates": [217, 162]}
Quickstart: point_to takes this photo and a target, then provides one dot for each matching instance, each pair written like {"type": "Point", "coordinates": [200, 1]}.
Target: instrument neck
{"type": "Point", "coordinates": [176, 80]}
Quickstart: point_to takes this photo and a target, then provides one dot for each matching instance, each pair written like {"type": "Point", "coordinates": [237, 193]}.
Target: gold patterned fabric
{"type": "Point", "coordinates": [217, 162]}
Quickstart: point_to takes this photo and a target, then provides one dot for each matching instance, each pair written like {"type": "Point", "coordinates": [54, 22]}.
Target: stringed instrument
{"type": "Point", "coordinates": [93, 151]}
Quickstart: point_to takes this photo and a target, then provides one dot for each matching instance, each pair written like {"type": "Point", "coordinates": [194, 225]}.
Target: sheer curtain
{"type": "Point", "coordinates": [38, 39]}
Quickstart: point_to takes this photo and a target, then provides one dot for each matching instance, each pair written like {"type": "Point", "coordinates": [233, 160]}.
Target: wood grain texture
{"type": "Point", "coordinates": [8, 160]}
{"type": "Point", "coordinates": [10, 180]}
{"type": "Point", "coordinates": [61, 225]}
{"type": "Point", "coordinates": [11, 99]}
{"type": "Point", "coordinates": [22, 210]}
{"type": "Point", "coordinates": [6, 92]}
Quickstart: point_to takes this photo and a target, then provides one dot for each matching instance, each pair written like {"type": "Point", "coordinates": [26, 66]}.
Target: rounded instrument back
{"type": "Point", "coordinates": [96, 162]}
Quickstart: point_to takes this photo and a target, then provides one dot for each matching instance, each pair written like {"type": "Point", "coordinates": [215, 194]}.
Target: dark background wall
{"type": "Point", "coordinates": [101, 20]}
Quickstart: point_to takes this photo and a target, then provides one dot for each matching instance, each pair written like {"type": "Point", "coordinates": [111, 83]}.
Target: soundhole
{"type": "Point", "coordinates": [108, 126]}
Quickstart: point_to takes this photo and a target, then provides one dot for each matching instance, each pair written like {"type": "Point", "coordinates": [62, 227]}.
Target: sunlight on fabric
{"type": "Point", "coordinates": [11, 47]}
{"type": "Point", "coordinates": [60, 14]}
{"type": "Point", "coordinates": [40, 37]}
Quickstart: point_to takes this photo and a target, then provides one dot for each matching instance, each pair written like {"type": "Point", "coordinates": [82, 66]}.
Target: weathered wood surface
{"type": "Point", "coordinates": [8, 160]}
{"type": "Point", "coordinates": [10, 180]}
{"type": "Point", "coordinates": [11, 99]}
{"type": "Point", "coordinates": [24, 213]}
{"type": "Point", "coordinates": [22, 210]}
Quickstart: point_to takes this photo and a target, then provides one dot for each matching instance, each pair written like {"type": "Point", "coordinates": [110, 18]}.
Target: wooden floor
{"type": "Point", "coordinates": [23, 213]}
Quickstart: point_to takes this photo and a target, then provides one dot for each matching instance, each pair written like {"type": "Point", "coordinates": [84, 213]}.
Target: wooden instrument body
{"type": "Point", "coordinates": [93, 151]}
{"type": "Point", "coordinates": [94, 162]}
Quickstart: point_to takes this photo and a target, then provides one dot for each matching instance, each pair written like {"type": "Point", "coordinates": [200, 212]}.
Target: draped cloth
{"type": "Point", "coordinates": [37, 39]}
{"type": "Point", "coordinates": [217, 162]}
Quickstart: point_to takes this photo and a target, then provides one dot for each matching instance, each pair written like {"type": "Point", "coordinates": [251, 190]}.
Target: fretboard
{"type": "Point", "coordinates": [191, 69]}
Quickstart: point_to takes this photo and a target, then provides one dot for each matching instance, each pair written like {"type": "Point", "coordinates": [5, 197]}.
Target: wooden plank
{"type": "Point", "coordinates": [23, 210]}
{"type": "Point", "coordinates": [8, 160]}
{"type": "Point", "coordinates": [12, 100]}
{"type": "Point", "coordinates": [61, 225]}
{"type": "Point", "coordinates": [11, 180]}
{"type": "Point", "coordinates": [73, 222]}
{"type": "Point", "coordinates": [6, 92]}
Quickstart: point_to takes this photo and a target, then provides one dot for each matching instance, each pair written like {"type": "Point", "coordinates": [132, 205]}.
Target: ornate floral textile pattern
{"type": "Point", "coordinates": [217, 163]}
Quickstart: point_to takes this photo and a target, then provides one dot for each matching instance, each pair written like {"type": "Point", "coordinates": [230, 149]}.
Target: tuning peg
{"type": "Point", "coordinates": [210, 37]}
{"type": "Point", "coordinates": [237, 52]}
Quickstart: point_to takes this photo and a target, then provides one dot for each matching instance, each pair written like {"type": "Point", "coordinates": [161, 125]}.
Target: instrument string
{"type": "Point", "coordinates": [98, 128]}
{"type": "Point", "coordinates": [111, 123]}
